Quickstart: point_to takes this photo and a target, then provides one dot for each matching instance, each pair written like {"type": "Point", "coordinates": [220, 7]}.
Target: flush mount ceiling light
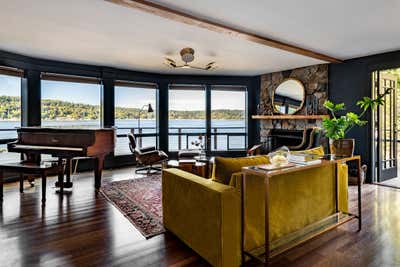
{"type": "Point", "coordinates": [187, 55]}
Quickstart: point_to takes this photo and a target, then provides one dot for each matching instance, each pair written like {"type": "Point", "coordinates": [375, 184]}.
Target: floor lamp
{"type": "Point", "coordinates": [149, 110]}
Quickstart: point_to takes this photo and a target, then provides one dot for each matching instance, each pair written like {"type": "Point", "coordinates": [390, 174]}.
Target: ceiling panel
{"type": "Point", "coordinates": [102, 33]}
{"type": "Point", "coordinates": [341, 28]}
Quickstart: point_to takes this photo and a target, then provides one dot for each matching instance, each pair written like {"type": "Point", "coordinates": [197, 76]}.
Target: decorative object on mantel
{"type": "Point", "coordinates": [311, 105]}
{"type": "Point", "coordinates": [336, 128]}
{"type": "Point", "coordinates": [289, 117]}
{"type": "Point", "coordinates": [288, 97]}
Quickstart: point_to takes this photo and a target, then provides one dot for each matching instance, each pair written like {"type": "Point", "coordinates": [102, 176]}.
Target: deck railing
{"type": "Point", "coordinates": [220, 136]}
{"type": "Point", "coordinates": [7, 139]}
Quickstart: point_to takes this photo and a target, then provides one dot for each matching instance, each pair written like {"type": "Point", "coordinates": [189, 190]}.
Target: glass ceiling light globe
{"type": "Point", "coordinates": [187, 54]}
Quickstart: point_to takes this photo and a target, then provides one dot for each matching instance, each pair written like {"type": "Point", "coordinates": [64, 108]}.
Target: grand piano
{"type": "Point", "coordinates": [65, 144]}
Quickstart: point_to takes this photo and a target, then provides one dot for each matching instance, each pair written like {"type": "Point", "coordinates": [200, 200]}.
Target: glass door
{"type": "Point", "coordinates": [385, 126]}
{"type": "Point", "coordinates": [228, 118]}
{"type": "Point", "coordinates": [212, 117]}
{"type": "Point", "coordinates": [187, 117]}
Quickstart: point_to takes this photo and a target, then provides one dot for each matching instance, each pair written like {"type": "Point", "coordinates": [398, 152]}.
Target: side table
{"type": "Point", "coordinates": [192, 166]}
{"type": "Point", "coordinates": [209, 161]}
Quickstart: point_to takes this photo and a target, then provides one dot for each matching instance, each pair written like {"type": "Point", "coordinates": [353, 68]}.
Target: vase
{"type": "Point", "coordinates": [342, 147]}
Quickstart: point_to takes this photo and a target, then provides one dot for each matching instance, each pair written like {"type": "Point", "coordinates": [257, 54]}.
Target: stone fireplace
{"type": "Point", "coordinates": [315, 81]}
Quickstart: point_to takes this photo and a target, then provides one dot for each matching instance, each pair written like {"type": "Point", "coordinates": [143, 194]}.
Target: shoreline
{"type": "Point", "coordinates": [135, 119]}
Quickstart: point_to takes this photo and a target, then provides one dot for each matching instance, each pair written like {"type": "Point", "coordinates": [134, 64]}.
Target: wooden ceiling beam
{"type": "Point", "coordinates": [182, 17]}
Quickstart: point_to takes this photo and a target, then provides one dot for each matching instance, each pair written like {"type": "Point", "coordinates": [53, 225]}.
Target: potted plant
{"type": "Point", "coordinates": [336, 127]}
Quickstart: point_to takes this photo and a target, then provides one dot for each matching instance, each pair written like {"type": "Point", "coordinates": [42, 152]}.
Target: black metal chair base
{"type": "Point", "coordinates": [148, 170]}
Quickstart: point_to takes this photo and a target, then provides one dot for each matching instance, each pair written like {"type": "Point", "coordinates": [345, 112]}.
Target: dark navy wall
{"type": "Point", "coordinates": [350, 81]}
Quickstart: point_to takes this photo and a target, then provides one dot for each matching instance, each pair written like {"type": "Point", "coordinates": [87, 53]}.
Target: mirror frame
{"type": "Point", "coordinates": [302, 102]}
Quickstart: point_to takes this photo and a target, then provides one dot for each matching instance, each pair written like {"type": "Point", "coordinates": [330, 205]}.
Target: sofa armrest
{"type": "Point", "coordinates": [204, 214]}
{"type": "Point", "coordinates": [236, 180]}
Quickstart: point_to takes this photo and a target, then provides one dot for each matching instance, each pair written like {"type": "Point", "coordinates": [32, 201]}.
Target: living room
{"type": "Point", "coordinates": [200, 133]}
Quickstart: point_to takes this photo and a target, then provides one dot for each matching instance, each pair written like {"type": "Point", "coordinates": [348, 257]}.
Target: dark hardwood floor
{"type": "Point", "coordinates": [84, 229]}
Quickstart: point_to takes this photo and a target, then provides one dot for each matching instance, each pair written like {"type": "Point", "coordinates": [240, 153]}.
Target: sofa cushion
{"type": "Point", "coordinates": [225, 167]}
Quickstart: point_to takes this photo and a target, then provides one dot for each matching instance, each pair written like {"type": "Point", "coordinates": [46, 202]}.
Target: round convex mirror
{"type": "Point", "coordinates": [288, 97]}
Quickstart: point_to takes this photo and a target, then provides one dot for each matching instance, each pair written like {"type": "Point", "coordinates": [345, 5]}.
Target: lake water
{"type": "Point", "coordinates": [185, 126]}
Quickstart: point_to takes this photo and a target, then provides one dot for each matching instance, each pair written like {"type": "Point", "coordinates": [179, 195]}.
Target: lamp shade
{"type": "Point", "coordinates": [150, 108]}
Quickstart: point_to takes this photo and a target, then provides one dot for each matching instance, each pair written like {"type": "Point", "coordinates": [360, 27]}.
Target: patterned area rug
{"type": "Point", "coordinates": [140, 201]}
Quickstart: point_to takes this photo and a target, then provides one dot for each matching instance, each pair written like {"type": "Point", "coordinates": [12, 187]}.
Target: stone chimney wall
{"type": "Point", "coordinates": [315, 81]}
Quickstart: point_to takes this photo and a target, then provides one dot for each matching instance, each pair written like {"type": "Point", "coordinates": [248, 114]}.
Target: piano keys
{"type": "Point", "coordinates": [65, 144]}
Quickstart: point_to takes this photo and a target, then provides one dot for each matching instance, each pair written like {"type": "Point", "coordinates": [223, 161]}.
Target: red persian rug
{"type": "Point", "coordinates": [140, 201]}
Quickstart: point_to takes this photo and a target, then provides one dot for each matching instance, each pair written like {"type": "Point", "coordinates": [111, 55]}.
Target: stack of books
{"type": "Point", "coordinates": [272, 167]}
{"type": "Point", "coordinates": [304, 158]}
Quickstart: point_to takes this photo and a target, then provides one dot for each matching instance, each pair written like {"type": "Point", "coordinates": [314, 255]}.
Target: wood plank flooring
{"type": "Point", "coordinates": [395, 182]}
{"type": "Point", "coordinates": [84, 229]}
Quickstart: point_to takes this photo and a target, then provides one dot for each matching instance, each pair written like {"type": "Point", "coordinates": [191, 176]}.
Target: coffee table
{"type": "Point", "coordinates": [192, 166]}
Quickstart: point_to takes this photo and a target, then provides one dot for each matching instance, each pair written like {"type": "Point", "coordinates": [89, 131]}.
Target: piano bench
{"type": "Point", "coordinates": [25, 168]}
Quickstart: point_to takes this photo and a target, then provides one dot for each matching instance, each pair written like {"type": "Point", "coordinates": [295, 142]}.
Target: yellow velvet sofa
{"type": "Point", "coordinates": [206, 213]}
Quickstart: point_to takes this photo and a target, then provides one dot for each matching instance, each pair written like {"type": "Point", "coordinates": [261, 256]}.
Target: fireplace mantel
{"type": "Point", "coordinates": [289, 117]}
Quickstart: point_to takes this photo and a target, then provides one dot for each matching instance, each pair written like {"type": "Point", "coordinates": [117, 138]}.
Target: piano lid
{"type": "Point", "coordinates": [62, 129]}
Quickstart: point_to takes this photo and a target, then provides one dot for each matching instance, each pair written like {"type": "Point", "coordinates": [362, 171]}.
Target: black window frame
{"type": "Point", "coordinates": [68, 78]}
{"type": "Point", "coordinates": [14, 72]}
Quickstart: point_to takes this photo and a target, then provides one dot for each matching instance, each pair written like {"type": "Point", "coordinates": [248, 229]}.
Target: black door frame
{"type": "Point", "coordinates": [380, 151]}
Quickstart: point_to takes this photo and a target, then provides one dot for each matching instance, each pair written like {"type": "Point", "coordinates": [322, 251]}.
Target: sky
{"type": "Point", "coordinates": [10, 86]}
{"type": "Point", "coordinates": [127, 97]}
{"type": "Point", "coordinates": [134, 97]}
{"type": "Point", "coordinates": [71, 92]}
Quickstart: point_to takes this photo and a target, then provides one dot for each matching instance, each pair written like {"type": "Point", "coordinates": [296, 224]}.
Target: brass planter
{"type": "Point", "coordinates": [342, 147]}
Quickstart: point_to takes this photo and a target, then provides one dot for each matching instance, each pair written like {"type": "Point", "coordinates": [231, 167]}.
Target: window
{"type": "Point", "coordinates": [228, 118]}
{"type": "Point", "coordinates": [70, 101]}
{"type": "Point", "coordinates": [10, 109]}
{"type": "Point", "coordinates": [187, 105]}
{"type": "Point", "coordinates": [132, 99]}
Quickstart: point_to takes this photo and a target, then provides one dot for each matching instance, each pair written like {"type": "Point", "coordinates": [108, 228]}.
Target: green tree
{"type": "Point", "coordinates": [63, 110]}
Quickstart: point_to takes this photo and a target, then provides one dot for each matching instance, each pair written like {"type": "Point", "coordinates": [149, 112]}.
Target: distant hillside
{"type": "Point", "coordinates": [52, 109]}
{"type": "Point", "coordinates": [10, 107]}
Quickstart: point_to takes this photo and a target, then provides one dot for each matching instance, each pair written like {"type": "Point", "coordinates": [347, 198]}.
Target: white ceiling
{"type": "Point", "coordinates": [102, 33]}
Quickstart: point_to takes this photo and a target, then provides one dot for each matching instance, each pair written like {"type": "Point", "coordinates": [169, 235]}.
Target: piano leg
{"type": "Point", "coordinates": [98, 171]}
{"type": "Point", "coordinates": [68, 169]}
{"type": "Point", "coordinates": [60, 179]}
{"type": "Point", "coordinates": [61, 175]}
{"type": "Point", "coordinates": [67, 183]}
{"type": "Point", "coordinates": [44, 189]}
{"type": "Point", "coordinates": [21, 183]}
